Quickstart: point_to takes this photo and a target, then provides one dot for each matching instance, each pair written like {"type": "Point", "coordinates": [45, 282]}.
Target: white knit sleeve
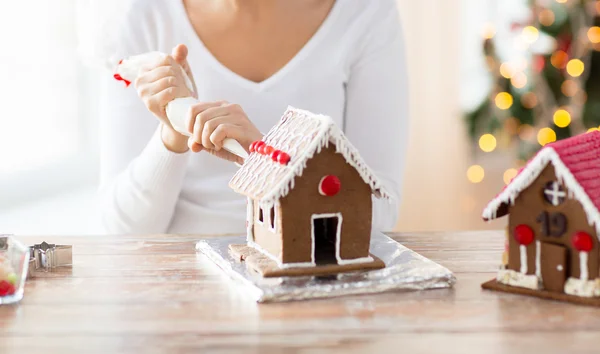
{"type": "Point", "coordinates": [376, 118]}
{"type": "Point", "coordinates": [140, 179]}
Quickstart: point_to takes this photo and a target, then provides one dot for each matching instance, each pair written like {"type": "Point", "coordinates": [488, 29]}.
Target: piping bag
{"type": "Point", "coordinates": [176, 110]}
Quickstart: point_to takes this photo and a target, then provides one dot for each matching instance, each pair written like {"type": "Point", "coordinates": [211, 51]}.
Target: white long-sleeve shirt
{"type": "Point", "coordinates": [352, 69]}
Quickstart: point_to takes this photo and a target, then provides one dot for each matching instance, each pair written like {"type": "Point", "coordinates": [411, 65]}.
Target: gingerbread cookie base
{"type": "Point", "coordinates": [587, 301]}
{"type": "Point", "coordinates": [268, 268]}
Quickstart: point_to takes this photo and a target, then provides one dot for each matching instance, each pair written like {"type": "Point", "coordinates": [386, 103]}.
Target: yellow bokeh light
{"type": "Point", "coordinates": [529, 100]}
{"type": "Point", "coordinates": [562, 118]}
{"type": "Point", "coordinates": [593, 130]}
{"type": "Point", "coordinates": [519, 80]}
{"type": "Point", "coordinates": [575, 67]}
{"type": "Point", "coordinates": [487, 142]}
{"type": "Point", "coordinates": [559, 59]}
{"type": "Point", "coordinates": [594, 34]}
{"type": "Point", "coordinates": [546, 17]}
{"type": "Point", "coordinates": [569, 88]}
{"type": "Point", "coordinates": [530, 34]}
{"type": "Point", "coordinates": [475, 174]}
{"type": "Point", "coordinates": [504, 100]}
{"type": "Point", "coordinates": [489, 31]}
{"type": "Point", "coordinates": [509, 175]}
{"type": "Point", "coordinates": [546, 136]}
{"type": "Point", "coordinates": [561, 1]}
{"type": "Point", "coordinates": [507, 70]}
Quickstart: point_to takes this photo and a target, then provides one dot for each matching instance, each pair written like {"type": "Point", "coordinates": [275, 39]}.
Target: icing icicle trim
{"type": "Point", "coordinates": [301, 135]}
{"type": "Point", "coordinates": [523, 253]}
{"type": "Point", "coordinates": [530, 173]}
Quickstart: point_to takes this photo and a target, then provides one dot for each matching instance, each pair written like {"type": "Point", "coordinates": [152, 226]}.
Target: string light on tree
{"type": "Point", "coordinates": [594, 34]}
{"type": "Point", "coordinates": [519, 80]}
{"type": "Point", "coordinates": [562, 118]}
{"type": "Point", "coordinates": [475, 174]}
{"type": "Point", "coordinates": [575, 67]}
{"type": "Point", "coordinates": [546, 136]}
{"type": "Point", "coordinates": [487, 143]}
{"type": "Point", "coordinates": [546, 17]}
{"type": "Point", "coordinates": [530, 34]}
{"type": "Point", "coordinates": [507, 70]}
{"type": "Point", "coordinates": [559, 59]}
{"type": "Point", "coordinates": [504, 100]}
{"type": "Point", "coordinates": [569, 88]}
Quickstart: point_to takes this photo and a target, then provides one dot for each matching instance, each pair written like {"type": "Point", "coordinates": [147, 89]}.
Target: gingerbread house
{"type": "Point", "coordinates": [309, 200]}
{"type": "Point", "coordinates": [554, 221]}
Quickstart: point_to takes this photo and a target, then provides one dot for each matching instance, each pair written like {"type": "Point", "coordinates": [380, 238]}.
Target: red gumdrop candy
{"type": "Point", "coordinates": [283, 158]}
{"type": "Point", "coordinates": [275, 155]}
{"type": "Point", "coordinates": [582, 241]}
{"type": "Point", "coordinates": [330, 185]}
{"type": "Point", "coordinates": [268, 150]}
{"type": "Point", "coordinates": [252, 147]}
{"type": "Point", "coordinates": [6, 288]}
{"type": "Point", "coordinates": [524, 234]}
{"type": "Point", "coordinates": [258, 146]}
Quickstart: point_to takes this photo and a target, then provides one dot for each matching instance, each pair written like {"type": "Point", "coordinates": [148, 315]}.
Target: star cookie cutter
{"type": "Point", "coordinates": [45, 257]}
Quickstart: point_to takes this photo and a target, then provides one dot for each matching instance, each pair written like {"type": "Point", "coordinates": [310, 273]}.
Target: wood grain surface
{"type": "Point", "coordinates": [154, 294]}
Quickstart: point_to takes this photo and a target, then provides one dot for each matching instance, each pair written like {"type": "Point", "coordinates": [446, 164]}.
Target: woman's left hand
{"type": "Point", "coordinates": [210, 124]}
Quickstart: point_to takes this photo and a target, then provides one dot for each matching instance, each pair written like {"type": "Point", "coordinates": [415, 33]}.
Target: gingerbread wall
{"type": "Point", "coordinates": [528, 206]}
{"type": "Point", "coordinates": [304, 200]}
{"type": "Point", "coordinates": [264, 236]}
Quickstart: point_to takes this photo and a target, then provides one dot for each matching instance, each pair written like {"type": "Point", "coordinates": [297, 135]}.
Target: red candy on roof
{"type": "Point", "coordinates": [276, 155]}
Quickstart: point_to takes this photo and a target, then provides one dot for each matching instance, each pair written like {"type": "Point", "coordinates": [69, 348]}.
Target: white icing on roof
{"type": "Point", "coordinates": [300, 134]}
{"type": "Point", "coordinates": [530, 173]}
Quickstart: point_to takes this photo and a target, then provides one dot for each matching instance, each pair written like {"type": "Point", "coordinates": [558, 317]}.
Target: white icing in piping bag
{"type": "Point", "coordinates": [177, 109]}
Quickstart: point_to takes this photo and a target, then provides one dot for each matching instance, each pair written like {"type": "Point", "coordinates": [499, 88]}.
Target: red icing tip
{"type": "Point", "coordinates": [120, 61]}
{"type": "Point", "coordinates": [127, 83]}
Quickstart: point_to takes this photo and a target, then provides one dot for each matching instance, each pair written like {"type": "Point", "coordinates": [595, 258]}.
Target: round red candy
{"type": "Point", "coordinates": [582, 241]}
{"type": "Point", "coordinates": [252, 147]}
{"type": "Point", "coordinates": [330, 185]}
{"type": "Point", "coordinates": [6, 288]}
{"type": "Point", "coordinates": [268, 150]}
{"type": "Point", "coordinates": [275, 155]}
{"type": "Point", "coordinates": [283, 158]}
{"type": "Point", "coordinates": [524, 234]}
{"type": "Point", "coordinates": [258, 146]}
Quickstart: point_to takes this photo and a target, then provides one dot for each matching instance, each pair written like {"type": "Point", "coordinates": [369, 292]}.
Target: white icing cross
{"type": "Point", "coordinates": [555, 193]}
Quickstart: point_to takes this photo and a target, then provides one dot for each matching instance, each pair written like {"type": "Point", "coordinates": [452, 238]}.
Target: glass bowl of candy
{"type": "Point", "coordinates": [14, 261]}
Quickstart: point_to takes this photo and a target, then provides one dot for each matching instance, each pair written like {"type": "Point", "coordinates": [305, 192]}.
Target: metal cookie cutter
{"type": "Point", "coordinates": [45, 257]}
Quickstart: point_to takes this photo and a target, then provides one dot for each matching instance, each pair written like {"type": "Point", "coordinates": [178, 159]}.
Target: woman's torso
{"type": "Point", "coordinates": [314, 79]}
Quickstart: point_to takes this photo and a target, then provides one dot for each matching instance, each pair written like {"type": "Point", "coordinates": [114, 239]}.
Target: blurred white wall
{"type": "Point", "coordinates": [443, 48]}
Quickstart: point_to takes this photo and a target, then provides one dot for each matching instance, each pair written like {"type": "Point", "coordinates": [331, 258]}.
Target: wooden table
{"type": "Point", "coordinates": [155, 294]}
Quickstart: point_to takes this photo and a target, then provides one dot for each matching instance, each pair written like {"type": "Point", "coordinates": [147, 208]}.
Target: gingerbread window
{"type": "Point", "coordinates": [554, 193]}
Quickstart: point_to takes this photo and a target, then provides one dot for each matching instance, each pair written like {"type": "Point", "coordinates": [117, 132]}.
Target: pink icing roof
{"type": "Point", "coordinates": [577, 164]}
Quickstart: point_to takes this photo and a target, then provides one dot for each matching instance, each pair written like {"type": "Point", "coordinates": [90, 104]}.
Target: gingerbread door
{"type": "Point", "coordinates": [554, 266]}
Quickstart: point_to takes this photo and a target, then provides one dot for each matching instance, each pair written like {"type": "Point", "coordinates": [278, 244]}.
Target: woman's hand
{"type": "Point", "coordinates": [160, 83]}
{"type": "Point", "coordinates": [210, 123]}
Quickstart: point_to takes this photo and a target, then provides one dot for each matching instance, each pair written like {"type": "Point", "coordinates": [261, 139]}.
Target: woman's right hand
{"type": "Point", "coordinates": [160, 83]}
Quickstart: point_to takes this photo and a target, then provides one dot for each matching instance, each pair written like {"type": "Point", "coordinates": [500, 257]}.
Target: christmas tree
{"type": "Point", "coordinates": [545, 70]}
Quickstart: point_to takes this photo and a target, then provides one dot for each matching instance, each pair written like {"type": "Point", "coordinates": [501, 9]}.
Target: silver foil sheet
{"type": "Point", "coordinates": [405, 270]}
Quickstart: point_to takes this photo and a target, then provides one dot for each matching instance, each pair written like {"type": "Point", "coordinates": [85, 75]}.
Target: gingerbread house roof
{"type": "Point", "coordinates": [576, 161]}
{"type": "Point", "coordinates": [301, 135]}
